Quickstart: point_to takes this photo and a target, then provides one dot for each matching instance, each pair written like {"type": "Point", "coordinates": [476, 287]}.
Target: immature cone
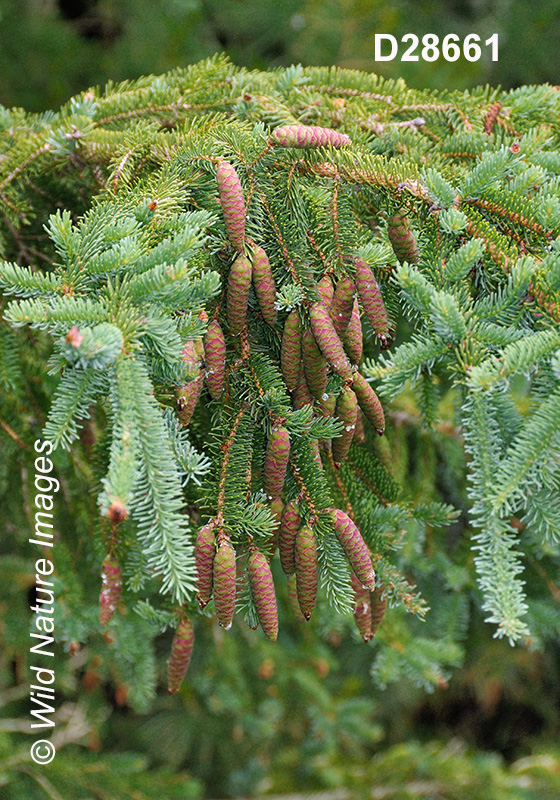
{"type": "Point", "coordinates": [326, 290]}
{"type": "Point", "coordinates": [111, 586]}
{"type": "Point", "coordinates": [289, 526]}
{"type": "Point", "coordinates": [402, 238]}
{"type": "Point", "coordinates": [307, 579]}
{"type": "Point", "coordinates": [204, 551]}
{"type": "Point", "coordinates": [181, 651]}
{"type": "Point", "coordinates": [233, 204]}
{"type": "Point", "coordinates": [378, 608]}
{"type": "Point", "coordinates": [359, 433]}
{"type": "Point", "coordinates": [342, 304]}
{"type": "Point", "coordinates": [276, 461]}
{"type": "Point", "coordinates": [215, 359]}
{"type": "Point", "coordinates": [291, 585]}
{"type": "Point", "coordinates": [239, 283]}
{"type": "Point", "coordinates": [346, 411]}
{"type": "Point", "coordinates": [262, 589]}
{"type": "Point", "coordinates": [302, 395]}
{"type": "Point", "coordinates": [265, 288]}
{"type": "Point", "coordinates": [308, 136]}
{"type": "Point", "coordinates": [223, 579]}
{"type": "Point", "coordinates": [326, 405]}
{"type": "Point", "coordinates": [354, 546]}
{"type": "Point", "coordinates": [372, 301]}
{"type": "Point", "coordinates": [328, 340]}
{"type": "Point", "coordinates": [362, 609]}
{"type": "Point", "coordinates": [290, 356]}
{"type": "Point", "coordinates": [276, 508]}
{"type": "Point", "coordinates": [353, 339]}
{"type": "Point", "coordinates": [314, 365]}
{"type": "Point", "coordinates": [189, 393]}
{"type": "Point", "coordinates": [314, 445]}
{"type": "Point", "coordinates": [369, 403]}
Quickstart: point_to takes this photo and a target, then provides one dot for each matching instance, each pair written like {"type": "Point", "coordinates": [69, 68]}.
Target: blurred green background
{"type": "Point", "coordinates": [51, 49]}
{"type": "Point", "coordinates": [307, 716]}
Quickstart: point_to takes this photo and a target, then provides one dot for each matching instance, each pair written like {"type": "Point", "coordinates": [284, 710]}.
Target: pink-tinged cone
{"type": "Point", "coordinates": [289, 527]}
{"type": "Point", "coordinates": [204, 551]}
{"type": "Point", "coordinates": [302, 395]}
{"type": "Point", "coordinates": [359, 432]}
{"type": "Point", "coordinates": [291, 585]}
{"type": "Point", "coordinates": [189, 393]}
{"type": "Point", "coordinates": [353, 339]}
{"type": "Point", "coordinates": [378, 607]}
{"type": "Point", "coordinates": [315, 366]}
{"type": "Point", "coordinates": [354, 546]}
{"type": "Point", "coordinates": [308, 136]}
{"type": "Point", "coordinates": [402, 239]}
{"type": "Point", "coordinates": [369, 403]}
{"type": "Point", "coordinates": [276, 509]}
{"type": "Point", "coordinates": [265, 288]}
{"type": "Point", "coordinates": [223, 577]}
{"type": "Point", "coordinates": [187, 398]}
{"type": "Point", "coordinates": [239, 283]}
{"type": "Point", "coordinates": [342, 304]}
{"type": "Point", "coordinates": [290, 356]}
{"type": "Point", "coordinates": [372, 300]}
{"type": "Point", "coordinates": [181, 651]}
{"type": "Point", "coordinates": [362, 609]}
{"type": "Point", "coordinates": [262, 589]}
{"type": "Point", "coordinates": [111, 587]}
{"type": "Point", "coordinates": [347, 412]}
{"type": "Point", "coordinates": [233, 204]}
{"type": "Point", "coordinates": [328, 340]}
{"type": "Point", "coordinates": [215, 359]}
{"type": "Point", "coordinates": [276, 461]}
{"type": "Point", "coordinates": [307, 578]}
{"type": "Point", "coordinates": [326, 290]}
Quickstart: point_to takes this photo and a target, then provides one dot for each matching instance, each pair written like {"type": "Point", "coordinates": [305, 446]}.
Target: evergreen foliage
{"type": "Point", "coordinates": [109, 297]}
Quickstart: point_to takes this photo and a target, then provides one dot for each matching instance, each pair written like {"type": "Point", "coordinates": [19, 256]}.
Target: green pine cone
{"type": "Point", "coordinates": [362, 608]}
{"type": "Point", "coordinates": [181, 651]}
{"type": "Point", "coordinates": [265, 288]}
{"type": "Point", "coordinates": [314, 365]}
{"type": "Point", "coordinates": [347, 412]}
{"type": "Point", "coordinates": [307, 579]}
{"type": "Point", "coordinates": [262, 588]}
{"type": "Point", "coordinates": [356, 549]}
{"type": "Point", "coordinates": [328, 340]}
{"type": "Point", "coordinates": [402, 239]}
{"type": "Point", "coordinates": [369, 403]}
{"type": "Point", "coordinates": [224, 583]}
{"type": "Point", "coordinates": [215, 359]}
{"type": "Point", "coordinates": [204, 551]}
{"type": "Point", "coordinates": [378, 607]}
{"type": "Point", "coordinates": [239, 283]}
{"type": "Point", "coordinates": [289, 527]}
{"type": "Point", "coordinates": [276, 461]}
{"type": "Point", "coordinates": [233, 204]}
{"type": "Point", "coordinates": [290, 355]}
{"type": "Point", "coordinates": [372, 301]}
{"type": "Point", "coordinates": [342, 304]}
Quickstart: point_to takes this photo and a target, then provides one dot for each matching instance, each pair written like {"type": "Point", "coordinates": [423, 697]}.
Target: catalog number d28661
{"type": "Point", "coordinates": [429, 48]}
